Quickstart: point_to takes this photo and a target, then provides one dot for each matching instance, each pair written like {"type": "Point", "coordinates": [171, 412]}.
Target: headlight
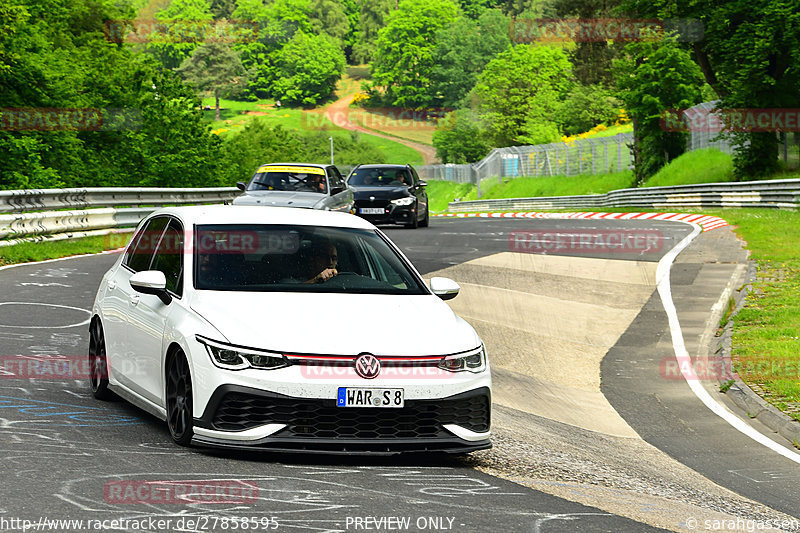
{"type": "Point", "coordinates": [471, 362]}
{"type": "Point", "coordinates": [237, 358]}
{"type": "Point", "coordinates": [404, 201]}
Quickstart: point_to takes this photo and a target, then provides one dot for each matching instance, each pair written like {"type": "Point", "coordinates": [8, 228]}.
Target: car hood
{"type": "Point", "coordinates": [308, 200]}
{"type": "Point", "coordinates": [337, 324]}
{"type": "Point", "coordinates": [380, 193]}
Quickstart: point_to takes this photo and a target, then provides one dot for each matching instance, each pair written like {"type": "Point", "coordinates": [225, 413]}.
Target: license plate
{"type": "Point", "coordinates": [358, 397]}
{"type": "Point", "coordinates": [371, 210]}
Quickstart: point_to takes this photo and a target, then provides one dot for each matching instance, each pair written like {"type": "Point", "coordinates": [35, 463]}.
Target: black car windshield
{"type": "Point", "coordinates": [275, 178]}
{"type": "Point", "coordinates": [284, 258]}
{"type": "Point", "coordinates": [379, 177]}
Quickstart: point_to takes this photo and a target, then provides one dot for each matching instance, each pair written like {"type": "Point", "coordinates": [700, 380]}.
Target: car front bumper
{"type": "Point", "coordinates": [246, 418]}
{"type": "Point", "coordinates": [392, 214]}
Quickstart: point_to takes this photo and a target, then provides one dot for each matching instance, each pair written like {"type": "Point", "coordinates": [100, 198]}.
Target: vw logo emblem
{"type": "Point", "coordinates": [371, 198]}
{"type": "Point", "coordinates": [368, 366]}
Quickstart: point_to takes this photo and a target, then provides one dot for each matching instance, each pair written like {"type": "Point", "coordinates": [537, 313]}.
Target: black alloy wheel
{"type": "Point", "coordinates": [179, 399]}
{"type": "Point", "coordinates": [98, 364]}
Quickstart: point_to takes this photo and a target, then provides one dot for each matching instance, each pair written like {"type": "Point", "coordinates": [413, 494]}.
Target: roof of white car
{"type": "Point", "coordinates": [247, 214]}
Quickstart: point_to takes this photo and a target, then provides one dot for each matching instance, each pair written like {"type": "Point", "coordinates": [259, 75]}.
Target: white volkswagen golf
{"type": "Point", "coordinates": [287, 329]}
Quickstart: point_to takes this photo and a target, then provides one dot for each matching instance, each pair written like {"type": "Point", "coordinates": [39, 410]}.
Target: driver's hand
{"type": "Point", "coordinates": [325, 275]}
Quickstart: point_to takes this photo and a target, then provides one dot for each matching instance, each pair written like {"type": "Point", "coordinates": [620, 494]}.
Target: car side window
{"type": "Point", "coordinates": [169, 257]}
{"type": "Point", "coordinates": [335, 178]}
{"type": "Point", "coordinates": [415, 175]}
{"type": "Point", "coordinates": [140, 253]}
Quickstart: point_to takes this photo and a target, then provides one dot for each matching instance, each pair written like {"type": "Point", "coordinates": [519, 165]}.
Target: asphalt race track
{"type": "Point", "coordinates": [62, 449]}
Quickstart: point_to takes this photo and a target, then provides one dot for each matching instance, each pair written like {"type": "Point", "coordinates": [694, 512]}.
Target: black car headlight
{"type": "Point", "coordinates": [404, 201]}
{"type": "Point", "coordinates": [466, 362]}
{"type": "Point", "coordinates": [233, 357]}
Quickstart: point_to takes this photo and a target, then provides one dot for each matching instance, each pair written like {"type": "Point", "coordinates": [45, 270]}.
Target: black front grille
{"type": "Point", "coordinates": [309, 418]}
{"type": "Point", "coordinates": [372, 203]}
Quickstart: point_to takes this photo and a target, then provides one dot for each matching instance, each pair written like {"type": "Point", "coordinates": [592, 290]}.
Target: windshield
{"type": "Point", "coordinates": [287, 258]}
{"type": "Point", "coordinates": [305, 179]}
{"type": "Point", "coordinates": [380, 177]}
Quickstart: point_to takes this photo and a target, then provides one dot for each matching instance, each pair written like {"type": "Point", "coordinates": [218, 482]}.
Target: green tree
{"type": "Point", "coordinates": [53, 54]}
{"type": "Point", "coordinates": [519, 92]}
{"type": "Point", "coordinates": [186, 25]}
{"type": "Point", "coordinates": [307, 69]}
{"type": "Point", "coordinates": [216, 69]}
{"type": "Point", "coordinates": [371, 18]}
{"type": "Point", "coordinates": [329, 17]}
{"type": "Point", "coordinates": [404, 59]}
{"type": "Point", "coordinates": [352, 12]}
{"type": "Point", "coordinates": [591, 58]}
{"type": "Point", "coordinates": [654, 77]}
{"type": "Point", "coordinates": [585, 107]}
{"type": "Point", "coordinates": [475, 8]}
{"type": "Point", "coordinates": [463, 48]}
{"type": "Point", "coordinates": [223, 9]}
{"type": "Point", "coordinates": [459, 138]}
{"type": "Point", "coordinates": [748, 52]}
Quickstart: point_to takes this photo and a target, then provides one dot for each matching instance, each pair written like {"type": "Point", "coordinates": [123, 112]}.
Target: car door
{"type": "Point", "coordinates": [342, 200]}
{"type": "Point", "coordinates": [419, 191]}
{"type": "Point", "coordinates": [148, 315]}
{"type": "Point", "coordinates": [116, 304]}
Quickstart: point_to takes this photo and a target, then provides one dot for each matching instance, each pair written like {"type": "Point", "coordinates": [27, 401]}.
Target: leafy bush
{"type": "Point", "coordinates": [459, 138]}
{"type": "Point", "coordinates": [585, 107]}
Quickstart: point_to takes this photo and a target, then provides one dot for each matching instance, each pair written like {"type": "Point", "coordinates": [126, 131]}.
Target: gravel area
{"type": "Point", "coordinates": [626, 476]}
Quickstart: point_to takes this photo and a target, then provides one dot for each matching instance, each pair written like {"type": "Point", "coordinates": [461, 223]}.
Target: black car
{"type": "Point", "coordinates": [389, 194]}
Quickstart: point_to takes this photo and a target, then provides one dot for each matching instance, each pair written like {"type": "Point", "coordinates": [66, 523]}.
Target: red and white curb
{"type": "Point", "coordinates": [706, 222]}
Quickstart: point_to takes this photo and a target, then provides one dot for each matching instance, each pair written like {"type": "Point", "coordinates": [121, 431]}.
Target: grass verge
{"type": "Point", "coordinates": [766, 331]}
{"type": "Point", "coordinates": [708, 165]}
{"type": "Point", "coordinates": [236, 115]}
{"type": "Point", "coordinates": [39, 251]}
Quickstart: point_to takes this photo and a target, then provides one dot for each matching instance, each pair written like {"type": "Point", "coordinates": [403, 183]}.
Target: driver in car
{"type": "Point", "coordinates": [322, 263]}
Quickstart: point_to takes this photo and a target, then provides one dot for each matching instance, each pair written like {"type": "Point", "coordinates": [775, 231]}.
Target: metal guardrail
{"type": "Point", "coordinates": [56, 214]}
{"type": "Point", "coordinates": [41, 199]}
{"type": "Point", "coordinates": [768, 193]}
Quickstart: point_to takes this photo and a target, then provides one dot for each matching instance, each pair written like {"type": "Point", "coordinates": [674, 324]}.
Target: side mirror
{"type": "Point", "coordinates": [423, 183]}
{"type": "Point", "coordinates": [242, 186]}
{"type": "Point", "coordinates": [337, 190]}
{"type": "Point", "coordinates": [151, 282]}
{"type": "Point", "coordinates": [445, 288]}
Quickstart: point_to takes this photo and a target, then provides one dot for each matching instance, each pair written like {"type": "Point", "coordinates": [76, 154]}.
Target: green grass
{"type": "Point", "coordinates": [237, 114]}
{"type": "Point", "coordinates": [708, 165]}
{"type": "Point", "coordinates": [766, 332]}
{"type": "Point", "coordinates": [40, 251]}
{"type": "Point", "coordinates": [555, 185]}
{"type": "Point", "coordinates": [440, 193]}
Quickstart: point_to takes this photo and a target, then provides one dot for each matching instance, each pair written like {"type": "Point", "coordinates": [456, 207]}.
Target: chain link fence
{"type": "Point", "coordinates": [583, 156]}
{"type": "Point", "coordinates": [599, 155]}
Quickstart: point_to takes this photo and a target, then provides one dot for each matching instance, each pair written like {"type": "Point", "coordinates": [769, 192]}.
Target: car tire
{"type": "Point", "coordinates": [414, 221]}
{"type": "Point", "coordinates": [425, 221]}
{"type": "Point", "coordinates": [179, 399]}
{"type": "Point", "coordinates": [98, 363]}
